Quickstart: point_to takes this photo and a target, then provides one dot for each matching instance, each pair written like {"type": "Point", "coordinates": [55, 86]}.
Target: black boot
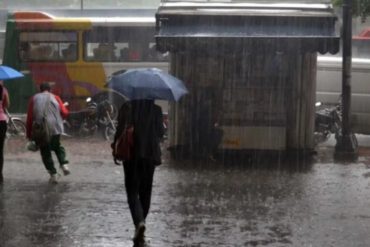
{"type": "Point", "coordinates": [139, 237]}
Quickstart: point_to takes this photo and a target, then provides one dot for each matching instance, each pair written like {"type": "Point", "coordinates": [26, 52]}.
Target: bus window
{"type": "Point", "coordinates": [70, 52]}
{"type": "Point", "coordinates": [124, 52]}
{"type": "Point", "coordinates": [137, 50]}
{"type": "Point", "coordinates": [48, 46]}
{"type": "Point", "coordinates": [24, 51]}
{"type": "Point", "coordinates": [105, 52]}
{"type": "Point", "coordinates": [154, 55]}
{"type": "Point", "coordinates": [121, 44]}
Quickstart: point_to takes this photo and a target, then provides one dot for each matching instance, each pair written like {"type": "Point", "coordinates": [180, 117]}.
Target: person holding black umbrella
{"type": "Point", "coordinates": [147, 121]}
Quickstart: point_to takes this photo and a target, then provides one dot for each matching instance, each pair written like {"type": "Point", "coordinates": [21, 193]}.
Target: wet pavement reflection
{"type": "Point", "coordinates": [195, 203]}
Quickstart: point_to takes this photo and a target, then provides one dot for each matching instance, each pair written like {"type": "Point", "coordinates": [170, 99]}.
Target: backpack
{"type": "Point", "coordinates": [40, 133]}
{"type": "Point", "coordinates": [123, 147]}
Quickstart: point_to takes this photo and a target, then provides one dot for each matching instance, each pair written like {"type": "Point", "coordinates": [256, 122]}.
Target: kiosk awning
{"type": "Point", "coordinates": [231, 27]}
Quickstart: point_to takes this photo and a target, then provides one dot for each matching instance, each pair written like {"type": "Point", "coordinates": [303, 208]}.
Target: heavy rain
{"type": "Point", "coordinates": [264, 149]}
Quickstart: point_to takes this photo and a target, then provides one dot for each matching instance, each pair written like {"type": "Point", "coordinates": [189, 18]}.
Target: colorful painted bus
{"type": "Point", "coordinates": [77, 55]}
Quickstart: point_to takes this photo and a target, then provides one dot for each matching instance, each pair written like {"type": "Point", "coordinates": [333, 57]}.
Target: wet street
{"type": "Point", "coordinates": [296, 203]}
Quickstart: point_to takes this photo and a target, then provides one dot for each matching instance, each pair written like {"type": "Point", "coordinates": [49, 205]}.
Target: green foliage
{"type": "Point", "coordinates": [359, 7]}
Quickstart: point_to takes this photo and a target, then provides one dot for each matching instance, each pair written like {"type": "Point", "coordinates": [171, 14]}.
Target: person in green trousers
{"type": "Point", "coordinates": [48, 106]}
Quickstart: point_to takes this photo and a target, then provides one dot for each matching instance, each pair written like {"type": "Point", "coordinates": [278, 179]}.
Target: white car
{"type": "Point", "coordinates": [329, 88]}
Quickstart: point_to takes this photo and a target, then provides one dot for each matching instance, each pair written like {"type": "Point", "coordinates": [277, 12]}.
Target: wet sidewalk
{"type": "Point", "coordinates": [319, 203]}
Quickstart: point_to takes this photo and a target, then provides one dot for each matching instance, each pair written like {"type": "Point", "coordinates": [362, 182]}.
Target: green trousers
{"type": "Point", "coordinates": [46, 155]}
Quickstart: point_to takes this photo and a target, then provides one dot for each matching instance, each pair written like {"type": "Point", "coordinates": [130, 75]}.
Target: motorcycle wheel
{"type": "Point", "coordinates": [110, 113]}
{"type": "Point", "coordinates": [320, 137]}
{"type": "Point", "coordinates": [114, 112]}
{"type": "Point", "coordinates": [109, 133]}
{"type": "Point", "coordinates": [87, 130]}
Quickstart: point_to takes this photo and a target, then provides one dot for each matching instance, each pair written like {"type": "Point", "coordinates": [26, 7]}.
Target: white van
{"type": "Point", "coordinates": [329, 88]}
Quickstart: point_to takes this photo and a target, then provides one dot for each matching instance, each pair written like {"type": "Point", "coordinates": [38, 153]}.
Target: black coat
{"type": "Point", "coordinates": [147, 119]}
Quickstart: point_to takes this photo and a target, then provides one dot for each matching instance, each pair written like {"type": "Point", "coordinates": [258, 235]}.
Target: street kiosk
{"type": "Point", "coordinates": [251, 66]}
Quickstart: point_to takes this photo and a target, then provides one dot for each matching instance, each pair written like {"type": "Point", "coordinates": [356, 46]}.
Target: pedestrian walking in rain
{"type": "Point", "coordinates": [147, 121]}
{"type": "Point", "coordinates": [48, 106]}
{"type": "Point", "coordinates": [4, 104]}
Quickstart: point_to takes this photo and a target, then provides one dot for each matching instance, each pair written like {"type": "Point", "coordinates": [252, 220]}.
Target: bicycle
{"type": "Point", "coordinates": [16, 127]}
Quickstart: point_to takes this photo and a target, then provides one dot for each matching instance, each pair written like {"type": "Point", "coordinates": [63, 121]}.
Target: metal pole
{"type": "Point", "coordinates": [347, 64]}
{"type": "Point", "coordinates": [346, 142]}
{"type": "Point", "coordinates": [82, 5]}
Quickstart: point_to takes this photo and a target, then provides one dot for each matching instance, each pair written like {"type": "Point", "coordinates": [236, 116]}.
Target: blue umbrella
{"type": "Point", "coordinates": [7, 73]}
{"type": "Point", "coordinates": [148, 83]}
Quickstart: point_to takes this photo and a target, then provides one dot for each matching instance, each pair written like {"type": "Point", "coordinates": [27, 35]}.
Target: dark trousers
{"type": "Point", "coordinates": [3, 128]}
{"type": "Point", "coordinates": [46, 155]}
{"type": "Point", "coordinates": [138, 183]}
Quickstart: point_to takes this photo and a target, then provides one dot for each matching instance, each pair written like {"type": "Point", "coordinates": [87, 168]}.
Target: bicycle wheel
{"type": "Point", "coordinates": [16, 127]}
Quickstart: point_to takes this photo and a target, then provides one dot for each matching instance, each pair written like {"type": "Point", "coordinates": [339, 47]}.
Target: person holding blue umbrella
{"type": "Point", "coordinates": [142, 87]}
{"type": "Point", "coordinates": [6, 73]}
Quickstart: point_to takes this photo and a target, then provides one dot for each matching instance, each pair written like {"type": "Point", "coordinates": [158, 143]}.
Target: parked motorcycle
{"type": "Point", "coordinates": [328, 120]}
{"type": "Point", "coordinates": [110, 130]}
{"type": "Point", "coordinates": [89, 120]}
{"type": "Point", "coordinates": [107, 119]}
{"type": "Point", "coordinates": [83, 122]}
